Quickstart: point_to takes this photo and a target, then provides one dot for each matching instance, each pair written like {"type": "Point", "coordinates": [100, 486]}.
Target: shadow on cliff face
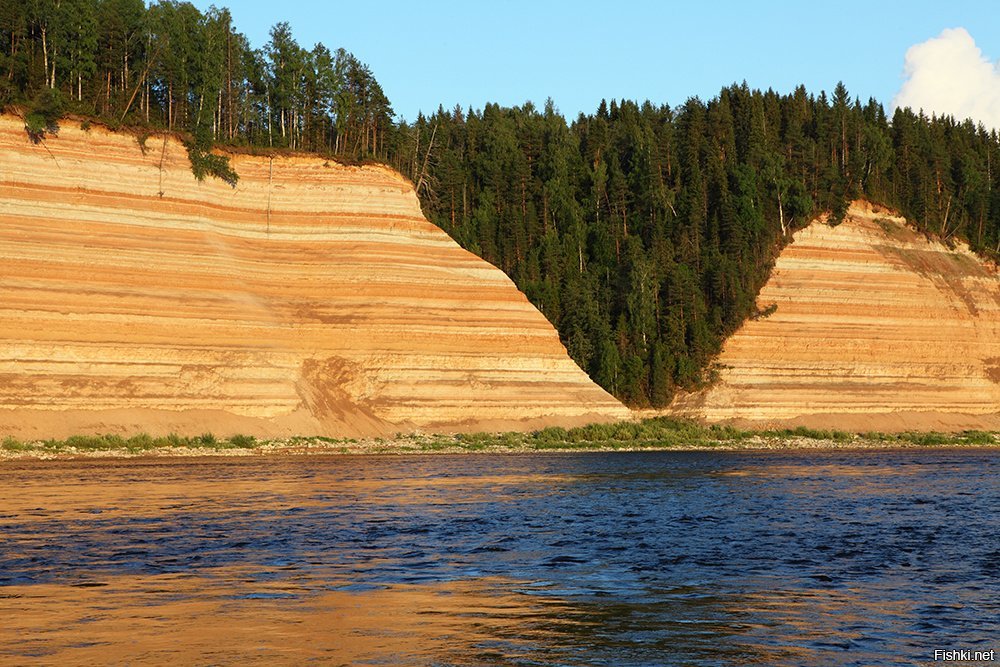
{"type": "Point", "coordinates": [992, 368]}
{"type": "Point", "coordinates": [327, 387]}
{"type": "Point", "coordinates": [948, 270]}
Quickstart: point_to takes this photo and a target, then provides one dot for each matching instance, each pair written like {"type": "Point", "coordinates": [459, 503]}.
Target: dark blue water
{"type": "Point", "coordinates": [803, 558]}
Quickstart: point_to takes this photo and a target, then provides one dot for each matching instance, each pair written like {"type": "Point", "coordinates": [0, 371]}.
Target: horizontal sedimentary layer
{"type": "Point", "coordinates": [871, 318]}
{"type": "Point", "coordinates": [311, 290]}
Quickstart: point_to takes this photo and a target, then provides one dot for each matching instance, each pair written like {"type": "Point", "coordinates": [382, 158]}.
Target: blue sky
{"type": "Point", "coordinates": [469, 53]}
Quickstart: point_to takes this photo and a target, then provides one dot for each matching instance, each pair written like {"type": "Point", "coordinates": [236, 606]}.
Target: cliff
{"type": "Point", "coordinates": [876, 327]}
{"type": "Point", "coordinates": [313, 298]}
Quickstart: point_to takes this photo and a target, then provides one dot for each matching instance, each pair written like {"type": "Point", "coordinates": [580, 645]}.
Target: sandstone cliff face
{"type": "Point", "coordinates": [872, 319]}
{"type": "Point", "coordinates": [311, 299]}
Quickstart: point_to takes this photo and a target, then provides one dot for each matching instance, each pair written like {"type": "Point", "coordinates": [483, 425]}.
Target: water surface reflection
{"type": "Point", "coordinates": [618, 559]}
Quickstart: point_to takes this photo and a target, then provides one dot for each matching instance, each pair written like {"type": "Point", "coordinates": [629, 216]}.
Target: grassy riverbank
{"type": "Point", "coordinates": [659, 433]}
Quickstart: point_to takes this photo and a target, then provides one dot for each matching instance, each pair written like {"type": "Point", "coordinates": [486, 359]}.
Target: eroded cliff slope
{"type": "Point", "coordinates": [875, 327]}
{"type": "Point", "coordinates": [311, 299]}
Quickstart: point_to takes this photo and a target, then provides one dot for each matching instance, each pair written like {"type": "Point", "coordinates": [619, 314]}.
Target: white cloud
{"type": "Point", "coordinates": [949, 74]}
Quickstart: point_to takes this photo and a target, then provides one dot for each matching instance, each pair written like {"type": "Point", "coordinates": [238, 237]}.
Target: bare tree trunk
{"type": "Point", "coordinates": [229, 83]}
{"type": "Point", "coordinates": [781, 216]}
{"type": "Point", "coordinates": [150, 57]}
{"type": "Point", "coordinates": [270, 136]}
{"type": "Point", "coordinates": [427, 157]}
{"type": "Point", "coordinates": [416, 153]}
{"type": "Point", "coordinates": [944, 223]}
{"type": "Point", "coordinates": [843, 141]}
{"type": "Point", "coordinates": [45, 50]}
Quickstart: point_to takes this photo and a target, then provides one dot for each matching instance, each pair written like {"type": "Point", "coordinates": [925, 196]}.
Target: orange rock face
{"type": "Point", "coordinates": [311, 299]}
{"type": "Point", "coordinates": [872, 319]}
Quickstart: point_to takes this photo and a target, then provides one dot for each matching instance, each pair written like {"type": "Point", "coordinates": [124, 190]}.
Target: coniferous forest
{"type": "Point", "coordinates": [643, 232]}
{"type": "Point", "coordinates": [174, 67]}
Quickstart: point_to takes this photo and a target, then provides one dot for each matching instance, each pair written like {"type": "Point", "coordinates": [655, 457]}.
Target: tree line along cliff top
{"type": "Point", "coordinates": [643, 232]}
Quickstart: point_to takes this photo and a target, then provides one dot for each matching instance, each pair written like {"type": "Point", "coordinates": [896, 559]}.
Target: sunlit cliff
{"type": "Point", "coordinates": [873, 326]}
{"type": "Point", "coordinates": [312, 298]}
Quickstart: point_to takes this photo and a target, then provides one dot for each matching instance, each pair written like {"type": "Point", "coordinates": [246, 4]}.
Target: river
{"type": "Point", "coordinates": [686, 558]}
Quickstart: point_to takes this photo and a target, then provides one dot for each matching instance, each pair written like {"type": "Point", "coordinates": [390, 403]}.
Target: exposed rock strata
{"type": "Point", "coordinates": [872, 320]}
{"type": "Point", "coordinates": [312, 298]}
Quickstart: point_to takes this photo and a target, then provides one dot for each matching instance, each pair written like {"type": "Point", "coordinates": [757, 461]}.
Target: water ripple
{"type": "Point", "coordinates": [811, 558]}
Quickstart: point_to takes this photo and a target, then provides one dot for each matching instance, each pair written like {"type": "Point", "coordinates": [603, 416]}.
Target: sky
{"type": "Point", "coordinates": [941, 56]}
